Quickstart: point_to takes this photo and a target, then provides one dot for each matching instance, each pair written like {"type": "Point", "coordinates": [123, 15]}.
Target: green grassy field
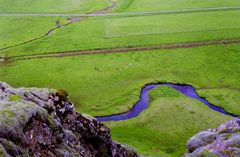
{"type": "Point", "coordinates": [116, 86]}
{"type": "Point", "coordinates": [164, 128]}
{"type": "Point", "coordinates": [51, 6]}
{"type": "Point", "coordinates": [145, 30]}
{"type": "Point", "coordinates": [103, 84]}
{"type": "Point", "coordinates": [172, 24]}
{"type": "Point", "coordinates": [123, 31]}
{"type": "Point", "coordinates": [154, 5]}
{"type": "Point", "coordinates": [227, 98]}
{"type": "Point", "coordinates": [14, 30]}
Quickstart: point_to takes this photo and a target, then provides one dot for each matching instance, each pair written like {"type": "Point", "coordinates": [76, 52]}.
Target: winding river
{"type": "Point", "coordinates": [143, 103]}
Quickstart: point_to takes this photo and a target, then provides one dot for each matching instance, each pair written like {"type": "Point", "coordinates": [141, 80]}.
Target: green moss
{"type": "Point", "coordinates": [236, 130]}
{"type": "Point", "coordinates": [7, 113]}
{"type": "Point", "coordinates": [227, 136]}
{"type": "Point", "coordinates": [223, 131]}
{"type": "Point", "coordinates": [51, 123]}
{"type": "Point", "coordinates": [228, 153]}
{"type": "Point", "coordinates": [15, 98]}
{"type": "Point", "coordinates": [7, 116]}
{"type": "Point", "coordinates": [63, 95]}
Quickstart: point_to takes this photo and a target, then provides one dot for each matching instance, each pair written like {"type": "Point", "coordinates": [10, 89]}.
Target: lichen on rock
{"type": "Point", "coordinates": [43, 123]}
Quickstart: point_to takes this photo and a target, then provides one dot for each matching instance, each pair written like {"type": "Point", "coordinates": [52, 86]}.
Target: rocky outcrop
{"type": "Point", "coordinates": [223, 141]}
{"type": "Point", "coordinates": [43, 123]}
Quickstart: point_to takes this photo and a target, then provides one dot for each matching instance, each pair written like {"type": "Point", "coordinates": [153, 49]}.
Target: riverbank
{"type": "Point", "coordinates": [165, 127]}
{"type": "Point", "coordinates": [143, 102]}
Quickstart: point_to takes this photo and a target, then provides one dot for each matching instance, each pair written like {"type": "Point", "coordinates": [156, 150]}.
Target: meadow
{"type": "Point", "coordinates": [166, 125]}
{"type": "Point", "coordinates": [154, 5]}
{"type": "Point", "coordinates": [14, 30]}
{"type": "Point", "coordinates": [115, 87]}
{"type": "Point", "coordinates": [112, 84]}
{"type": "Point", "coordinates": [51, 6]}
{"type": "Point", "coordinates": [103, 84]}
{"type": "Point", "coordinates": [145, 31]}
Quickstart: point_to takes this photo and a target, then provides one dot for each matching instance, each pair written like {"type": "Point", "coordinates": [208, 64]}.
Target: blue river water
{"type": "Point", "coordinates": [143, 102]}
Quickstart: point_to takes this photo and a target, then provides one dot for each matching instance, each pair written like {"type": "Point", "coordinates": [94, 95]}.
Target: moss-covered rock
{"type": "Point", "coordinates": [42, 122]}
{"type": "Point", "coordinates": [223, 141]}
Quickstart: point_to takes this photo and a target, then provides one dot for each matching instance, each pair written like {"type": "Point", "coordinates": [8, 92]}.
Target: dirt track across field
{"type": "Point", "coordinates": [126, 49]}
